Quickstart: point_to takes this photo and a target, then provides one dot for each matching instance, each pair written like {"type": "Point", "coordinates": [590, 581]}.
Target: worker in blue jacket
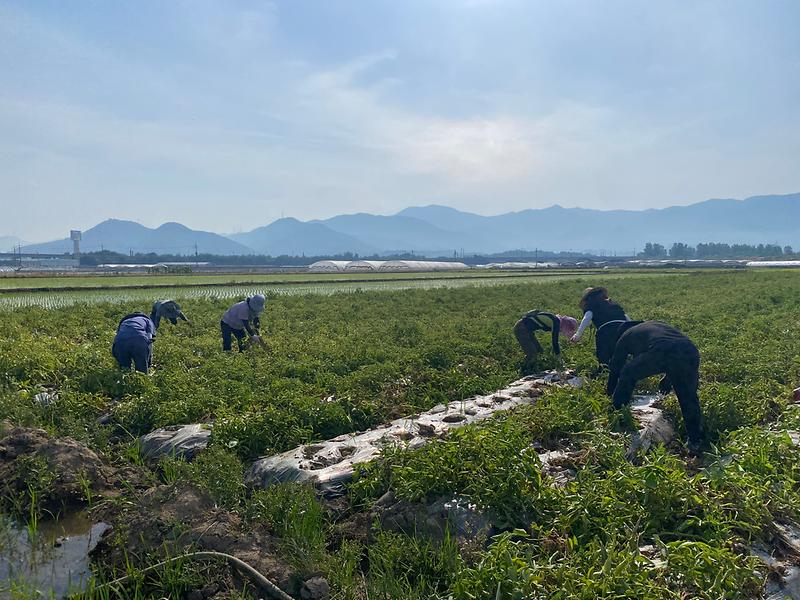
{"type": "Point", "coordinates": [136, 333]}
{"type": "Point", "coordinates": [134, 342]}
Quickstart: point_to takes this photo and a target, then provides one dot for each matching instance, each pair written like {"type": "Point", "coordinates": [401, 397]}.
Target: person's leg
{"type": "Point", "coordinates": [140, 350]}
{"type": "Point", "coordinates": [639, 367]}
{"type": "Point", "coordinates": [239, 333]}
{"type": "Point", "coordinates": [226, 336]}
{"type": "Point", "coordinates": [120, 353]}
{"type": "Point", "coordinates": [527, 339]}
{"type": "Point", "coordinates": [684, 372]}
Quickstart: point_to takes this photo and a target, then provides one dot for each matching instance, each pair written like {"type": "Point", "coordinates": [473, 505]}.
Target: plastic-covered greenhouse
{"type": "Point", "coordinates": [364, 265]}
{"type": "Point", "coordinates": [421, 265]}
{"type": "Point", "coordinates": [369, 266]}
{"type": "Point", "coordinates": [328, 266]}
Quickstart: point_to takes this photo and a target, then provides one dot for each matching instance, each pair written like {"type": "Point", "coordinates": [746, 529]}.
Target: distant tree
{"type": "Point", "coordinates": [681, 250]}
{"type": "Point", "coordinates": [787, 250]}
{"type": "Point", "coordinates": [653, 251]}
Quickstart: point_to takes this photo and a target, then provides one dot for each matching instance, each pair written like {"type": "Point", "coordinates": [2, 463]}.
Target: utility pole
{"type": "Point", "coordinates": [195, 250]}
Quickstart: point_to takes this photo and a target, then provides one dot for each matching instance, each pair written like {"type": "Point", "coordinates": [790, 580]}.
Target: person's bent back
{"type": "Point", "coordinates": [657, 347]}
{"type": "Point", "coordinates": [134, 342]}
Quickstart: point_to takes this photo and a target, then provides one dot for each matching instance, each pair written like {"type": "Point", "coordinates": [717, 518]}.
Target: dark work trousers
{"type": "Point", "coordinates": [681, 363]}
{"type": "Point", "coordinates": [136, 349]}
{"type": "Point", "coordinates": [227, 331]}
{"type": "Point", "coordinates": [523, 329]}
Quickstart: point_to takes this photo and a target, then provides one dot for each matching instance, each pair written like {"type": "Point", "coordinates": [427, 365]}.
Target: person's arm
{"type": "Point", "coordinates": [257, 324]}
{"type": "Point", "coordinates": [151, 329]}
{"type": "Point", "coordinates": [248, 328]}
{"type": "Point", "coordinates": [587, 318]}
{"type": "Point", "coordinates": [182, 316]}
{"type": "Point", "coordinates": [621, 352]}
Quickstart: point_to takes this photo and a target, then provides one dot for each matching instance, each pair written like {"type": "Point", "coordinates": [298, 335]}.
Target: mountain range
{"type": "Point", "coordinates": [436, 230]}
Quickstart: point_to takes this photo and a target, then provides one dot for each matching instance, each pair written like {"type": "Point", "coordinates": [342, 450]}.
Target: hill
{"type": "Point", "coordinates": [437, 230]}
{"type": "Point", "coordinates": [126, 236]}
{"type": "Point", "coordinates": [760, 219]}
{"type": "Point", "coordinates": [293, 237]}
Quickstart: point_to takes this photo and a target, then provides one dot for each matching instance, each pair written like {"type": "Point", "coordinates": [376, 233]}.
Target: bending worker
{"type": "Point", "coordinates": [167, 309]}
{"type": "Point", "coordinates": [601, 311]}
{"type": "Point", "coordinates": [537, 320]}
{"type": "Point", "coordinates": [658, 347]}
{"type": "Point", "coordinates": [238, 318]}
{"type": "Point", "coordinates": [136, 333]}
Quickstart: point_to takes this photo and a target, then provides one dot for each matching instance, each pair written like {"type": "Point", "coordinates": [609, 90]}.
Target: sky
{"type": "Point", "coordinates": [227, 115]}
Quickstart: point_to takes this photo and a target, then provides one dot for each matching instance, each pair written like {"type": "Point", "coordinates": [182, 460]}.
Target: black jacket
{"type": "Point", "coordinates": [647, 336]}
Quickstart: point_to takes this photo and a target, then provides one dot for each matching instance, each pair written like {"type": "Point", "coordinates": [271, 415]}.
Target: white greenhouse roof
{"type": "Point", "coordinates": [421, 265]}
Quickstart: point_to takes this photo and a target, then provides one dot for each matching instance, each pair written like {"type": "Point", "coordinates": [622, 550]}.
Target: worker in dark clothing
{"type": "Point", "coordinates": [166, 309]}
{"type": "Point", "coordinates": [537, 320]}
{"type": "Point", "coordinates": [237, 320]}
{"type": "Point", "coordinates": [657, 347]}
{"type": "Point", "coordinates": [134, 342]}
{"type": "Point", "coordinates": [602, 312]}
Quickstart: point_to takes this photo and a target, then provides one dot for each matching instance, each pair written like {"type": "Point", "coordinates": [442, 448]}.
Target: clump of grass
{"type": "Point", "coordinates": [293, 512]}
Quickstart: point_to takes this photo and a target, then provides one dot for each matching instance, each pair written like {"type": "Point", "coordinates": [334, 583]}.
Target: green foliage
{"type": "Point", "coordinates": [347, 361]}
{"type": "Point", "coordinates": [293, 512]}
{"type": "Point", "coordinates": [405, 567]}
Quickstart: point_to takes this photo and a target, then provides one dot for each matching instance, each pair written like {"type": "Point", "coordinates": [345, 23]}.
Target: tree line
{"type": "Point", "coordinates": [714, 250]}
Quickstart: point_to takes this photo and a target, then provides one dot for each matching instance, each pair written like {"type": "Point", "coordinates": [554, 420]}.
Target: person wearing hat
{"type": "Point", "coordinates": [133, 342]}
{"type": "Point", "coordinates": [237, 320]}
{"type": "Point", "coordinates": [602, 312]}
{"type": "Point", "coordinates": [136, 333]}
{"type": "Point", "coordinates": [166, 309]}
{"type": "Point", "coordinates": [537, 320]}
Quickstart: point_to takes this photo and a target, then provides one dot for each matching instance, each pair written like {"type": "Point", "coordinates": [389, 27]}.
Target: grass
{"type": "Point", "coordinates": [347, 361]}
{"type": "Point", "coordinates": [106, 280]}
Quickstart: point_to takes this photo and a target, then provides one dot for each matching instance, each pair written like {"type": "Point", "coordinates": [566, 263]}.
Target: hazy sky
{"type": "Point", "coordinates": [226, 115]}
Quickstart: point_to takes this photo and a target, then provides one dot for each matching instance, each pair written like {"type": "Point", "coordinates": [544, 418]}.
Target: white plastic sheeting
{"type": "Point", "coordinates": [371, 266]}
{"type": "Point", "coordinates": [774, 263]}
{"type": "Point", "coordinates": [520, 265]}
{"type": "Point", "coordinates": [329, 465]}
{"type": "Point", "coordinates": [422, 265]}
{"type": "Point", "coordinates": [364, 265]}
{"type": "Point", "coordinates": [328, 266]}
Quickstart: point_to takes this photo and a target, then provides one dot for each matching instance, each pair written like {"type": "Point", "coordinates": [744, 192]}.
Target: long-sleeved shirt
{"type": "Point", "coordinates": [168, 309]}
{"type": "Point", "coordinates": [136, 325]}
{"type": "Point", "coordinates": [647, 336]}
{"type": "Point", "coordinates": [239, 316]}
{"type": "Point", "coordinates": [601, 313]}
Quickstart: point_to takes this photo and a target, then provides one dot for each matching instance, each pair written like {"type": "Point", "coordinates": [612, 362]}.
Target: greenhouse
{"type": "Point", "coordinates": [421, 265]}
{"type": "Point", "coordinates": [328, 266]}
{"type": "Point", "coordinates": [364, 265]}
{"type": "Point", "coordinates": [371, 266]}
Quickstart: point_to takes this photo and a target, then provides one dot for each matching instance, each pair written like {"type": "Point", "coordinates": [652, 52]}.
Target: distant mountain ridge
{"type": "Point", "coordinates": [125, 236]}
{"type": "Point", "coordinates": [437, 230]}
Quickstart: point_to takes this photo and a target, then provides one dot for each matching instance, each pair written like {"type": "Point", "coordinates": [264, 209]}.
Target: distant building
{"type": "Point", "coordinates": [47, 263]}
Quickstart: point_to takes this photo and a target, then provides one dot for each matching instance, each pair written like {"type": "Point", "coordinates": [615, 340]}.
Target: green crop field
{"type": "Point", "coordinates": [38, 281]}
{"type": "Point", "coordinates": [61, 292]}
{"type": "Point", "coordinates": [344, 357]}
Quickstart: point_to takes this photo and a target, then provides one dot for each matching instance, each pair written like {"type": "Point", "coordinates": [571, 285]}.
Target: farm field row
{"type": "Point", "coordinates": [53, 298]}
{"type": "Point", "coordinates": [100, 280]}
{"type": "Point", "coordinates": [663, 526]}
